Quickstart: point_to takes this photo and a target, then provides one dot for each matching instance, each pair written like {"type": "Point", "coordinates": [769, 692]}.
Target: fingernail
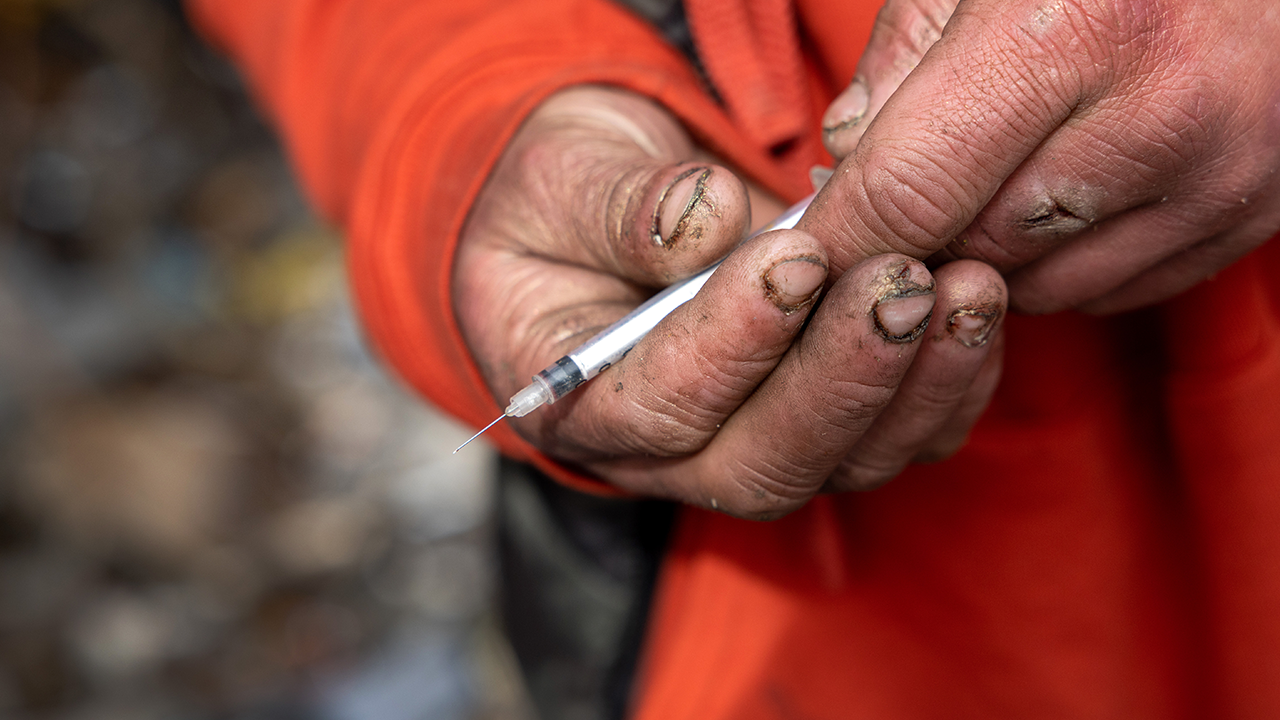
{"type": "Point", "coordinates": [970, 327]}
{"type": "Point", "coordinates": [676, 204]}
{"type": "Point", "coordinates": [903, 312]}
{"type": "Point", "coordinates": [903, 319]}
{"type": "Point", "coordinates": [793, 284]}
{"type": "Point", "coordinates": [848, 108]}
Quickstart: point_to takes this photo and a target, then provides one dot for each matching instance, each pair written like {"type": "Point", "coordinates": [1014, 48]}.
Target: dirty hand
{"type": "Point", "coordinates": [601, 198]}
{"type": "Point", "coordinates": [1103, 154]}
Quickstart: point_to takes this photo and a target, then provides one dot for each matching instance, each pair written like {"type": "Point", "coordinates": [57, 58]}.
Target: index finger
{"type": "Point", "coordinates": [1003, 77]}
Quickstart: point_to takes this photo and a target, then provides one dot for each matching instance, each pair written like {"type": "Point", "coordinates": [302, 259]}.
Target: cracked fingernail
{"type": "Point", "coordinates": [906, 302]}
{"type": "Point", "coordinates": [848, 108]}
{"type": "Point", "coordinates": [676, 204]}
{"type": "Point", "coordinates": [901, 318]}
{"type": "Point", "coordinates": [971, 327]}
{"type": "Point", "coordinates": [793, 284]}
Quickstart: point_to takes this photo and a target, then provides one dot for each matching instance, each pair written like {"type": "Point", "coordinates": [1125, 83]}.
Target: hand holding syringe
{"type": "Point", "coordinates": [756, 395]}
{"type": "Point", "coordinates": [611, 344]}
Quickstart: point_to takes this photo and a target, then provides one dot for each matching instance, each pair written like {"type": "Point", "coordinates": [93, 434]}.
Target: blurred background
{"type": "Point", "coordinates": [213, 502]}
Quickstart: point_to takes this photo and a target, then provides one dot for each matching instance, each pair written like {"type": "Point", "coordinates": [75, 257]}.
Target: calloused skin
{"type": "Point", "coordinates": [1103, 154]}
{"type": "Point", "coordinates": [601, 198]}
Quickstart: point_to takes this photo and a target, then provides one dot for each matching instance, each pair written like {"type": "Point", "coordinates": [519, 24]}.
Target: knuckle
{"type": "Point", "coordinates": [587, 188]}
{"type": "Point", "coordinates": [766, 495]}
{"type": "Point", "coordinates": [1197, 136]}
{"type": "Point", "coordinates": [1176, 124]}
{"type": "Point", "coordinates": [1007, 243]}
{"type": "Point", "coordinates": [771, 480]}
{"type": "Point", "coordinates": [682, 415]}
{"type": "Point", "coordinates": [1053, 215]}
{"type": "Point", "coordinates": [935, 401]}
{"type": "Point", "coordinates": [1074, 49]}
{"type": "Point", "coordinates": [661, 428]}
{"type": "Point", "coordinates": [851, 404]}
{"type": "Point", "coordinates": [911, 196]}
{"type": "Point", "coordinates": [1097, 27]}
{"type": "Point", "coordinates": [538, 175]}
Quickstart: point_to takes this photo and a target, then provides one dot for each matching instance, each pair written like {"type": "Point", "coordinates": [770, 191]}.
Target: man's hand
{"type": "Point", "coordinates": [599, 199]}
{"type": "Point", "coordinates": [1104, 154]}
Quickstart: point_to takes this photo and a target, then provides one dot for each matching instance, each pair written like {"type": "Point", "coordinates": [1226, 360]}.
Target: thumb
{"type": "Point", "coordinates": [608, 180]}
{"type": "Point", "coordinates": [903, 33]}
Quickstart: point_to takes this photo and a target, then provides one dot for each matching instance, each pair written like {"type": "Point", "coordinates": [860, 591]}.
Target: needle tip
{"type": "Point", "coordinates": [473, 437]}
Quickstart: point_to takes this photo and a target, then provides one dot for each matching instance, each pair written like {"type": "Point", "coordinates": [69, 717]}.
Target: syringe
{"type": "Point", "coordinates": [611, 344]}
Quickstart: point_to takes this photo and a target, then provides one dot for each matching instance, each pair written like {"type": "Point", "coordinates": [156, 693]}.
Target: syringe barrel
{"type": "Point", "coordinates": [611, 344]}
{"type": "Point", "coordinates": [614, 342]}
{"type": "Point", "coordinates": [561, 378]}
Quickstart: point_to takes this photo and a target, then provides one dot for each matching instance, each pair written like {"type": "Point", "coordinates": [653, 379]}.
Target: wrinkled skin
{"type": "Point", "coordinates": [1103, 154]}
{"type": "Point", "coordinates": [725, 404]}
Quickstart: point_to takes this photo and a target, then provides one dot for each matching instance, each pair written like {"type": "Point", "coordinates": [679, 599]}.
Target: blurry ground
{"type": "Point", "coordinates": [213, 504]}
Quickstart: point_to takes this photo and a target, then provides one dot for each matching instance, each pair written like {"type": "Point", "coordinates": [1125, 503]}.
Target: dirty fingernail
{"type": "Point", "coordinates": [848, 108]}
{"type": "Point", "coordinates": [793, 284]}
{"type": "Point", "coordinates": [676, 205]}
{"type": "Point", "coordinates": [903, 318]}
{"type": "Point", "coordinates": [970, 327]}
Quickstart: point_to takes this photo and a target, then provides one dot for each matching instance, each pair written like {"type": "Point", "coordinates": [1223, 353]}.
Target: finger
{"type": "Point", "coordinates": [1097, 262]}
{"type": "Point", "coordinates": [937, 390]}
{"type": "Point", "coordinates": [672, 392]}
{"type": "Point", "coordinates": [981, 101]}
{"type": "Point", "coordinates": [1153, 251]}
{"type": "Point", "coordinates": [955, 432]}
{"type": "Point", "coordinates": [904, 31]}
{"type": "Point", "coordinates": [1166, 279]}
{"type": "Point", "coordinates": [1162, 207]}
{"type": "Point", "coordinates": [777, 449]}
{"type": "Point", "coordinates": [1184, 269]}
{"type": "Point", "coordinates": [605, 179]}
{"type": "Point", "coordinates": [1140, 153]}
{"type": "Point", "coordinates": [1150, 173]}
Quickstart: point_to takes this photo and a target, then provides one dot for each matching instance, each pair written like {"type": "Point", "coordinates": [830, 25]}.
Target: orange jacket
{"type": "Point", "coordinates": [1106, 546]}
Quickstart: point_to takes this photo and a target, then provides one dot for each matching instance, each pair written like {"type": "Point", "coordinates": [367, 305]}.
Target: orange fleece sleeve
{"type": "Point", "coordinates": [394, 111]}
